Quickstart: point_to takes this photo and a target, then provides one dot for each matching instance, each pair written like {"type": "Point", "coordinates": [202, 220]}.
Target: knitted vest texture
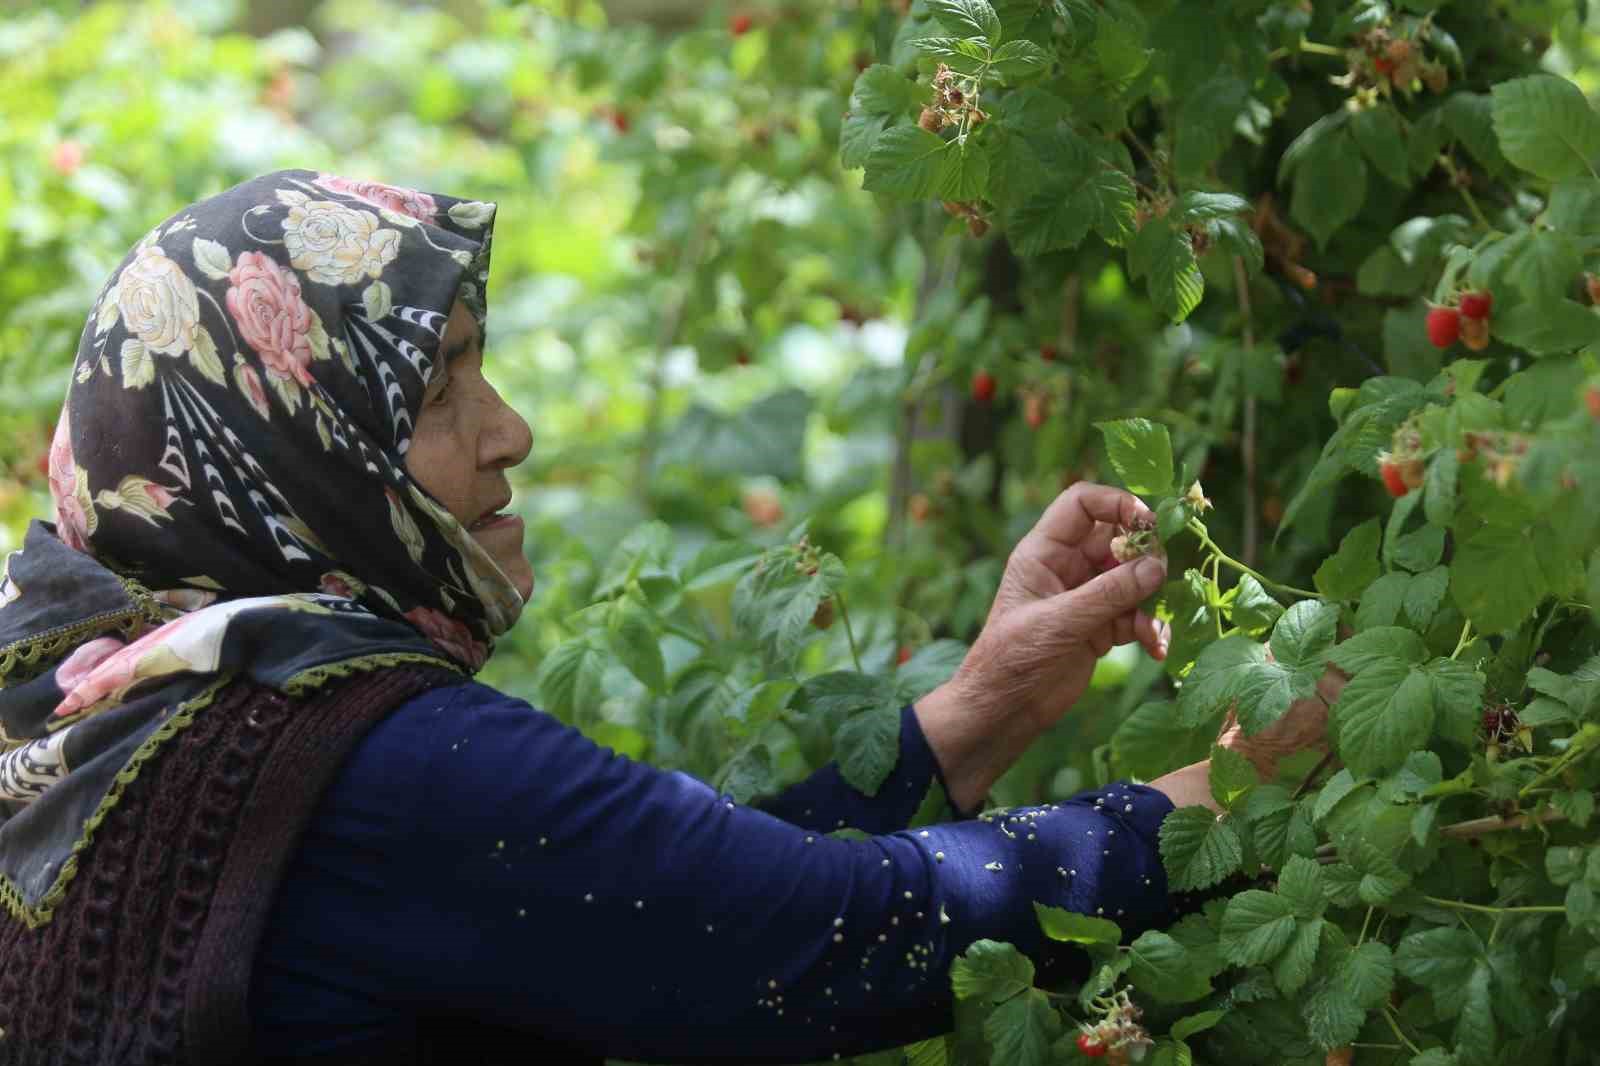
{"type": "Point", "coordinates": [147, 959]}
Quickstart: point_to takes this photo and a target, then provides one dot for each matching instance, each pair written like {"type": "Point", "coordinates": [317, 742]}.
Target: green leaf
{"type": "Point", "coordinates": [1565, 864]}
{"type": "Point", "coordinates": [1338, 787]}
{"type": "Point", "coordinates": [1072, 928]}
{"type": "Point", "coordinates": [1330, 186]}
{"type": "Point", "coordinates": [929, 667]}
{"type": "Point", "coordinates": [1377, 130]}
{"type": "Point", "coordinates": [1231, 776]}
{"type": "Point", "coordinates": [962, 55]}
{"type": "Point", "coordinates": [1356, 980]}
{"type": "Point", "coordinates": [1255, 927]}
{"type": "Point", "coordinates": [1300, 642]}
{"type": "Point", "coordinates": [934, 808]}
{"type": "Point", "coordinates": [1197, 206]}
{"type": "Point", "coordinates": [1439, 487]}
{"type": "Point", "coordinates": [1577, 806]}
{"type": "Point", "coordinates": [1141, 453]}
{"type": "Point", "coordinates": [881, 96]}
{"type": "Point", "coordinates": [748, 775]}
{"type": "Point", "coordinates": [633, 640]}
{"type": "Point", "coordinates": [1426, 592]}
{"type": "Point", "coordinates": [1184, 1028]}
{"type": "Point", "coordinates": [867, 747]}
{"type": "Point", "coordinates": [1383, 600]}
{"type": "Point", "coordinates": [1021, 1029]}
{"type": "Point", "coordinates": [1552, 327]}
{"type": "Point", "coordinates": [1544, 266]}
{"type": "Point", "coordinates": [1047, 221]}
{"type": "Point", "coordinates": [1199, 848]}
{"type": "Point", "coordinates": [1470, 117]}
{"type": "Point", "coordinates": [1222, 670]}
{"type": "Point", "coordinates": [1574, 206]}
{"type": "Point", "coordinates": [1378, 644]}
{"type": "Point", "coordinates": [967, 18]}
{"type": "Point", "coordinates": [1300, 882]}
{"type": "Point", "coordinates": [1496, 579]}
{"type": "Point", "coordinates": [1419, 550]}
{"type": "Point", "coordinates": [1293, 968]}
{"type": "Point", "coordinates": [1457, 696]}
{"type": "Point", "coordinates": [1162, 252]}
{"type": "Point", "coordinates": [1384, 713]}
{"type": "Point", "coordinates": [1545, 126]}
{"type": "Point", "coordinates": [992, 971]}
{"type": "Point", "coordinates": [1152, 740]}
{"type": "Point", "coordinates": [1346, 573]}
{"type": "Point", "coordinates": [568, 680]}
{"type": "Point", "coordinates": [1016, 60]}
{"type": "Point", "coordinates": [964, 174]}
{"type": "Point", "coordinates": [1254, 609]}
{"type": "Point", "coordinates": [907, 162]}
{"type": "Point", "coordinates": [1160, 968]}
{"type": "Point", "coordinates": [1205, 122]}
{"type": "Point", "coordinates": [1108, 198]}
{"type": "Point", "coordinates": [1422, 770]}
{"type": "Point", "coordinates": [1475, 1029]}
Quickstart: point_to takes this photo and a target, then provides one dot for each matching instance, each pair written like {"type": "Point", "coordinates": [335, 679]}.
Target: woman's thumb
{"type": "Point", "coordinates": [1113, 593]}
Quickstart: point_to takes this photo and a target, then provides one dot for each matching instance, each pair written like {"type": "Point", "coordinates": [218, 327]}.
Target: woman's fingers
{"type": "Point", "coordinates": [1151, 633]}
{"type": "Point", "coordinates": [1071, 516]}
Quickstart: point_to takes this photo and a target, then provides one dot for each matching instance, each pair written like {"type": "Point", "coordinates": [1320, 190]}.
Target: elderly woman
{"type": "Point", "coordinates": [253, 809]}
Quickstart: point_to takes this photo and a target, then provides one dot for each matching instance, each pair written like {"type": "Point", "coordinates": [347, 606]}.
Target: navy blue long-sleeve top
{"type": "Point", "coordinates": [478, 858]}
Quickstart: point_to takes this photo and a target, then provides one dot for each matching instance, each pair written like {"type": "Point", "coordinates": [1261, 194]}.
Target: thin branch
{"type": "Point", "coordinates": [671, 321]}
{"type": "Point", "coordinates": [1247, 445]}
{"type": "Point", "coordinates": [1316, 772]}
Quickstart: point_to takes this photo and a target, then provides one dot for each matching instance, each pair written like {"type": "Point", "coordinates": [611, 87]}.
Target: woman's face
{"type": "Point", "coordinates": [466, 439]}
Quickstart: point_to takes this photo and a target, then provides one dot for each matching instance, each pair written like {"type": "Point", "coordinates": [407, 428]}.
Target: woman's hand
{"type": "Point", "coordinates": [1303, 726]}
{"type": "Point", "coordinates": [1056, 613]}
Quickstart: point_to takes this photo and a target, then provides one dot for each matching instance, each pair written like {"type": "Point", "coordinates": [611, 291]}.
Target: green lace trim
{"type": "Point", "coordinates": [314, 677]}
{"type": "Point", "coordinates": [183, 716]}
{"type": "Point", "coordinates": [24, 659]}
{"type": "Point", "coordinates": [35, 915]}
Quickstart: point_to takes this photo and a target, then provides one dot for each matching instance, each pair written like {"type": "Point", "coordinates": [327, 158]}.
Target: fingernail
{"type": "Point", "coordinates": [1148, 572]}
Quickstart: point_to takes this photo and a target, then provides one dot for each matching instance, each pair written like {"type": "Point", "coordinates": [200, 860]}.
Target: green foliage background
{"type": "Point", "coordinates": [727, 300]}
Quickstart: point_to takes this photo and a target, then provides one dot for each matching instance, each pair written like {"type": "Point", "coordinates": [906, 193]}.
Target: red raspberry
{"type": "Point", "coordinates": [1477, 304]}
{"type": "Point", "coordinates": [740, 24]}
{"type": "Point", "coordinates": [903, 656]}
{"type": "Point", "coordinates": [1090, 1046]}
{"type": "Point", "coordinates": [1048, 352]}
{"type": "Point", "coordinates": [1474, 332]}
{"type": "Point", "coordinates": [1444, 326]}
{"type": "Point", "coordinates": [1591, 399]}
{"type": "Point", "coordinates": [1393, 480]}
{"type": "Point", "coordinates": [983, 386]}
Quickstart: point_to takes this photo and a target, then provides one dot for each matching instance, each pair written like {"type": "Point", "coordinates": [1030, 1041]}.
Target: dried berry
{"type": "Point", "coordinates": [1475, 333]}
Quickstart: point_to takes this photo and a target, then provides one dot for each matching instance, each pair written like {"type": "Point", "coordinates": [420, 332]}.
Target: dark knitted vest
{"type": "Point", "coordinates": [147, 959]}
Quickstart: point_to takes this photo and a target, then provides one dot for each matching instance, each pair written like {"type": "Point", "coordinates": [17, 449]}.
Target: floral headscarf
{"type": "Point", "coordinates": [229, 481]}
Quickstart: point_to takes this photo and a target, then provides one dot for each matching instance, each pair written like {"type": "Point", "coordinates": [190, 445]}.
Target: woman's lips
{"type": "Point", "coordinates": [494, 521]}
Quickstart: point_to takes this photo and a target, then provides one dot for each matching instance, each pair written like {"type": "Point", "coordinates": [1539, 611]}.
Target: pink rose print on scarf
{"type": "Point", "coordinates": [82, 662]}
{"type": "Point", "coordinates": [264, 300]}
{"type": "Point", "coordinates": [418, 205]}
{"type": "Point", "coordinates": [73, 518]}
{"type": "Point", "coordinates": [106, 667]}
{"type": "Point", "coordinates": [450, 635]}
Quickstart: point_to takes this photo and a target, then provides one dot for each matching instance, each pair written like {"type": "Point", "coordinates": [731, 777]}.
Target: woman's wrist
{"type": "Point", "coordinates": [1189, 786]}
{"type": "Point", "coordinates": [973, 741]}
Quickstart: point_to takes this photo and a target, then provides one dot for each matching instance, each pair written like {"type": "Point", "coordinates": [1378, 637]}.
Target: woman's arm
{"type": "Point", "coordinates": [825, 801]}
{"type": "Point", "coordinates": [479, 858]}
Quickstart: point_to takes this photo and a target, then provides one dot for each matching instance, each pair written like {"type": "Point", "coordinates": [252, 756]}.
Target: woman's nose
{"type": "Point", "coordinates": [508, 440]}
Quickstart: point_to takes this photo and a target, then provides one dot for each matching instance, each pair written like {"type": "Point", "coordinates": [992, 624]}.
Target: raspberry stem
{"type": "Point", "coordinates": [1199, 530]}
{"type": "Point", "coordinates": [850, 634]}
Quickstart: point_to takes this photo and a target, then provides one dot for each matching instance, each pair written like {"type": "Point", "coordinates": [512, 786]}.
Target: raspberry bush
{"type": "Point", "coordinates": [1314, 277]}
